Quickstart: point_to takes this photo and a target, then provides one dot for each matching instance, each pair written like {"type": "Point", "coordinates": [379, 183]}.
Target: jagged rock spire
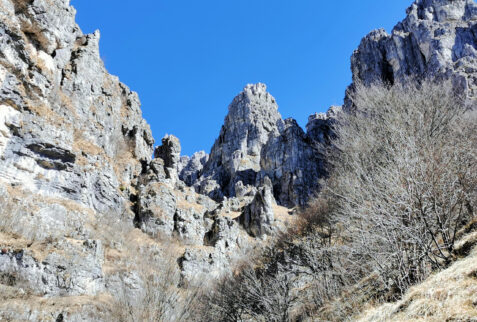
{"type": "Point", "coordinates": [253, 116]}
{"type": "Point", "coordinates": [255, 143]}
{"type": "Point", "coordinates": [252, 119]}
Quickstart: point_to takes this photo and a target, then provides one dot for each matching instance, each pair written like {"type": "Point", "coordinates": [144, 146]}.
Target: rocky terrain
{"type": "Point", "coordinates": [436, 39]}
{"type": "Point", "coordinates": [86, 197]}
{"type": "Point", "coordinates": [255, 143]}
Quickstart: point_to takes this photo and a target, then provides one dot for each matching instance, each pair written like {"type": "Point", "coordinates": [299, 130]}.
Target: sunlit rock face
{"type": "Point", "coordinates": [83, 202]}
{"type": "Point", "coordinates": [68, 128]}
{"type": "Point", "coordinates": [438, 38]}
{"type": "Point", "coordinates": [78, 176]}
{"type": "Point", "coordinates": [72, 146]}
{"type": "Point", "coordinates": [252, 120]}
{"type": "Point", "coordinates": [254, 143]}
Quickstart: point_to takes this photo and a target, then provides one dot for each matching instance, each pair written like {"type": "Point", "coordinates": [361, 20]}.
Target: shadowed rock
{"type": "Point", "coordinates": [257, 218]}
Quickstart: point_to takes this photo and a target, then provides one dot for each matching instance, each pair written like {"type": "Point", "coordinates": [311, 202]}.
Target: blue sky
{"type": "Point", "coordinates": [188, 59]}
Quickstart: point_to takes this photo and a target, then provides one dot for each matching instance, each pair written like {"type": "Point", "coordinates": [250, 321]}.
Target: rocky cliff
{"type": "Point", "coordinates": [72, 146]}
{"type": "Point", "coordinates": [256, 143]}
{"type": "Point", "coordinates": [85, 207]}
{"type": "Point", "coordinates": [438, 38]}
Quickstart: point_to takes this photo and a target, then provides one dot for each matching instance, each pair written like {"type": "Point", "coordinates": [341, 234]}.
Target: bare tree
{"type": "Point", "coordinates": [159, 297]}
{"type": "Point", "coordinates": [405, 176]}
{"type": "Point", "coordinates": [255, 293]}
{"type": "Point", "coordinates": [403, 180]}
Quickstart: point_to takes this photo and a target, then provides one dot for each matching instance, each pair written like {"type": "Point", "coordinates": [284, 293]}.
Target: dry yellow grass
{"type": "Point", "coordinates": [44, 111]}
{"type": "Point", "coordinates": [185, 205]}
{"type": "Point", "coordinates": [39, 250]}
{"type": "Point", "coordinates": [48, 308]}
{"type": "Point", "coordinates": [450, 295]}
{"type": "Point", "coordinates": [231, 214]}
{"type": "Point", "coordinates": [282, 214]}
{"type": "Point", "coordinates": [80, 144]}
{"type": "Point", "coordinates": [15, 192]}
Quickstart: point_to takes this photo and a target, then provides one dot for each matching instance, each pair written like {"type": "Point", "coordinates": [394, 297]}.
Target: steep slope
{"type": "Point", "coordinates": [308, 275]}
{"type": "Point", "coordinates": [77, 180]}
{"type": "Point", "coordinates": [450, 295]}
{"type": "Point", "coordinates": [72, 146]}
{"type": "Point", "coordinates": [69, 129]}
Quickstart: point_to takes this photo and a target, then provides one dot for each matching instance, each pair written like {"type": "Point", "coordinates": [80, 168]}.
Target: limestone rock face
{"type": "Point", "coordinates": [84, 206]}
{"type": "Point", "coordinates": [190, 167]}
{"type": "Point", "coordinates": [255, 142]}
{"type": "Point", "coordinates": [72, 147]}
{"type": "Point", "coordinates": [293, 162]}
{"type": "Point", "coordinates": [257, 218]}
{"type": "Point", "coordinates": [170, 152]}
{"type": "Point", "coordinates": [167, 207]}
{"type": "Point", "coordinates": [437, 38]}
{"type": "Point", "coordinates": [252, 119]}
{"type": "Point", "coordinates": [70, 270]}
{"type": "Point", "coordinates": [69, 129]}
{"type": "Point", "coordinates": [319, 126]}
{"type": "Point", "coordinates": [72, 141]}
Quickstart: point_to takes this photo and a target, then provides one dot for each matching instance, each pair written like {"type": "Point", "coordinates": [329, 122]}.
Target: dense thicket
{"type": "Point", "coordinates": [403, 182]}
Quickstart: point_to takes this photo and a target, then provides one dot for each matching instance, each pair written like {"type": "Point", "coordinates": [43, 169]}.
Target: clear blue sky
{"type": "Point", "coordinates": [187, 59]}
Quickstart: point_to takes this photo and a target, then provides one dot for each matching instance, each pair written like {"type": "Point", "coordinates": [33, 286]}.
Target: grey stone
{"type": "Point", "coordinates": [437, 39]}
{"type": "Point", "coordinates": [253, 117]}
{"type": "Point", "coordinates": [73, 114]}
{"type": "Point", "coordinates": [255, 142]}
{"type": "Point", "coordinates": [157, 207]}
{"type": "Point", "coordinates": [258, 217]}
{"type": "Point", "coordinates": [170, 152]}
{"type": "Point", "coordinates": [190, 167]}
{"type": "Point", "coordinates": [70, 270]}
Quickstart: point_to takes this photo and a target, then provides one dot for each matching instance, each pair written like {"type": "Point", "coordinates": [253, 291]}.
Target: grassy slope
{"type": "Point", "coordinates": [450, 295]}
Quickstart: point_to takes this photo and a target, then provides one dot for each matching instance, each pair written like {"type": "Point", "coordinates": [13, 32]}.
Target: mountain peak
{"type": "Point", "coordinates": [256, 88]}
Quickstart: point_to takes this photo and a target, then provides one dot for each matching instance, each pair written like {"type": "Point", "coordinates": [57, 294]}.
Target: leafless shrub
{"type": "Point", "coordinates": [405, 178]}
{"type": "Point", "coordinates": [253, 294]}
{"type": "Point", "coordinates": [157, 296]}
{"type": "Point", "coordinates": [289, 280]}
{"type": "Point", "coordinates": [403, 181]}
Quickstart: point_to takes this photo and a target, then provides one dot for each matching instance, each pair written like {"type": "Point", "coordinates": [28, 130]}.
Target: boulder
{"type": "Point", "coordinates": [258, 217]}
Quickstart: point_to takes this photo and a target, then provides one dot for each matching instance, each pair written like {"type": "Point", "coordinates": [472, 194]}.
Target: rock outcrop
{"type": "Point", "coordinates": [215, 235]}
{"type": "Point", "coordinates": [170, 152]}
{"type": "Point", "coordinates": [70, 129]}
{"type": "Point", "coordinates": [86, 212]}
{"type": "Point", "coordinates": [254, 143]}
{"type": "Point", "coordinates": [72, 146]}
{"type": "Point", "coordinates": [252, 119]}
{"type": "Point", "coordinates": [438, 38]}
{"type": "Point", "coordinates": [77, 177]}
{"type": "Point", "coordinates": [257, 218]}
{"type": "Point", "coordinates": [190, 168]}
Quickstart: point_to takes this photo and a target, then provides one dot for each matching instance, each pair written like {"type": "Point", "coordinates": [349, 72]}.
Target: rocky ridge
{"type": "Point", "coordinates": [84, 204]}
{"type": "Point", "coordinates": [80, 192]}
{"type": "Point", "coordinates": [256, 143]}
{"type": "Point", "coordinates": [438, 38]}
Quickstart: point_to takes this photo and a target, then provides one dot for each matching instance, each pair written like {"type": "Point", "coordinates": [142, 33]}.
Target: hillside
{"type": "Point", "coordinates": [99, 223]}
{"type": "Point", "coordinates": [447, 295]}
